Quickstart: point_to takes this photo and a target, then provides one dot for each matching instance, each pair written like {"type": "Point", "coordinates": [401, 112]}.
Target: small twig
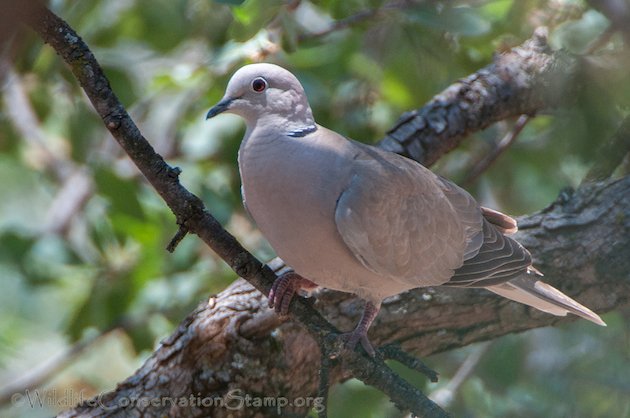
{"type": "Point", "coordinates": [407, 397]}
{"type": "Point", "coordinates": [611, 154]}
{"type": "Point", "coordinates": [179, 236]}
{"type": "Point", "coordinates": [481, 166]}
{"type": "Point", "coordinates": [444, 396]}
{"type": "Point", "coordinates": [394, 352]}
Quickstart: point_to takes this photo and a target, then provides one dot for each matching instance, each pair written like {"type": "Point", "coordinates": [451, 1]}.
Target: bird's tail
{"type": "Point", "coordinates": [528, 289]}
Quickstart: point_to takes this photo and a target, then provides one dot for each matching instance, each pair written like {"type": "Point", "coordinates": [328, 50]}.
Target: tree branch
{"type": "Point", "coordinates": [235, 343]}
{"type": "Point", "coordinates": [445, 396]}
{"type": "Point", "coordinates": [483, 164]}
{"type": "Point", "coordinates": [523, 81]}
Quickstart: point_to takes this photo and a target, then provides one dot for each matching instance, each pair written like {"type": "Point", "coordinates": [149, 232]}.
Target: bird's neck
{"type": "Point", "coordinates": [269, 126]}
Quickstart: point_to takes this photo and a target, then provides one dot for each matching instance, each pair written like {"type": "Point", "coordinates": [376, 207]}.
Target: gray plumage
{"type": "Point", "coordinates": [358, 219]}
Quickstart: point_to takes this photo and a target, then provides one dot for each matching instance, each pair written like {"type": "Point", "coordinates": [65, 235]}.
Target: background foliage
{"type": "Point", "coordinates": [82, 237]}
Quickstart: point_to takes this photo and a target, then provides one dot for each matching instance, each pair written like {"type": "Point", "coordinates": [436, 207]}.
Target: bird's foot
{"type": "Point", "coordinates": [359, 334]}
{"type": "Point", "coordinates": [284, 288]}
{"type": "Point", "coordinates": [352, 338]}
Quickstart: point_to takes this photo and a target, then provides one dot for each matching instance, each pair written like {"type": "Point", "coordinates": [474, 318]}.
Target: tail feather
{"type": "Point", "coordinates": [529, 290]}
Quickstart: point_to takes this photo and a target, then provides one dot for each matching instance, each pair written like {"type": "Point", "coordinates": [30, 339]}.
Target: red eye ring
{"type": "Point", "coordinates": [259, 84]}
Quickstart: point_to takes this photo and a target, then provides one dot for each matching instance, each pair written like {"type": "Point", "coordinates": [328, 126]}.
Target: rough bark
{"type": "Point", "coordinates": [235, 342]}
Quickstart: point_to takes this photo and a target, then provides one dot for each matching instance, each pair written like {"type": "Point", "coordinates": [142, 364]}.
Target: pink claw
{"type": "Point", "coordinates": [354, 337]}
{"type": "Point", "coordinates": [284, 288]}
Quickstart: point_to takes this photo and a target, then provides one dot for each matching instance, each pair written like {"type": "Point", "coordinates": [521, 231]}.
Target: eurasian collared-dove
{"type": "Point", "coordinates": [355, 218]}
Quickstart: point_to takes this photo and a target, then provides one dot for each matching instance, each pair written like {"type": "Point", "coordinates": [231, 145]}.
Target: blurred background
{"type": "Point", "coordinates": [87, 289]}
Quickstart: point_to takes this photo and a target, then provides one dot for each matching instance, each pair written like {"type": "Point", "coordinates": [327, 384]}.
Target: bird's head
{"type": "Point", "coordinates": [265, 91]}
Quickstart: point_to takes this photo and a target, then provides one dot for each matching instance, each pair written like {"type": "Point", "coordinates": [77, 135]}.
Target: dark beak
{"type": "Point", "coordinates": [220, 107]}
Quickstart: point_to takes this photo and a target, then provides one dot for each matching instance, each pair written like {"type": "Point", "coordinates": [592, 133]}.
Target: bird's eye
{"type": "Point", "coordinates": [259, 84]}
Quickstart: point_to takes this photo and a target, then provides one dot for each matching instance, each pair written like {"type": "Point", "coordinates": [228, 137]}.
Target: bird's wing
{"type": "Point", "coordinates": [469, 214]}
{"type": "Point", "coordinates": [490, 256]}
{"type": "Point", "coordinates": [499, 259]}
{"type": "Point", "coordinates": [399, 219]}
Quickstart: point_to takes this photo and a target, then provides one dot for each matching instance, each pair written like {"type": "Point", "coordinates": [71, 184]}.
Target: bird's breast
{"type": "Point", "coordinates": [289, 193]}
{"type": "Point", "coordinates": [291, 189]}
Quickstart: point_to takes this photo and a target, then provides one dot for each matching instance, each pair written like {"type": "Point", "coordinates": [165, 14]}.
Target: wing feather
{"type": "Point", "coordinates": [505, 224]}
{"type": "Point", "coordinates": [397, 220]}
{"type": "Point", "coordinates": [469, 214]}
{"type": "Point", "coordinates": [499, 259]}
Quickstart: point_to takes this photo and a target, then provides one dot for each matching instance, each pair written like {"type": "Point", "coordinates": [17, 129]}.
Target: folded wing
{"type": "Point", "coordinates": [396, 219]}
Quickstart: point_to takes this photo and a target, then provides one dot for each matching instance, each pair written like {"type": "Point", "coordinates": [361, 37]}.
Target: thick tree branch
{"type": "Point", "coordinates": [235, 343]}
{"type": "Point", "coordinates": [523, 81]}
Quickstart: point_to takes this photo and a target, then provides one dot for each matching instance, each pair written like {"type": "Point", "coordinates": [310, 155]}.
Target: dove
{"type": "Point", "coordinates": [355, 218]}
